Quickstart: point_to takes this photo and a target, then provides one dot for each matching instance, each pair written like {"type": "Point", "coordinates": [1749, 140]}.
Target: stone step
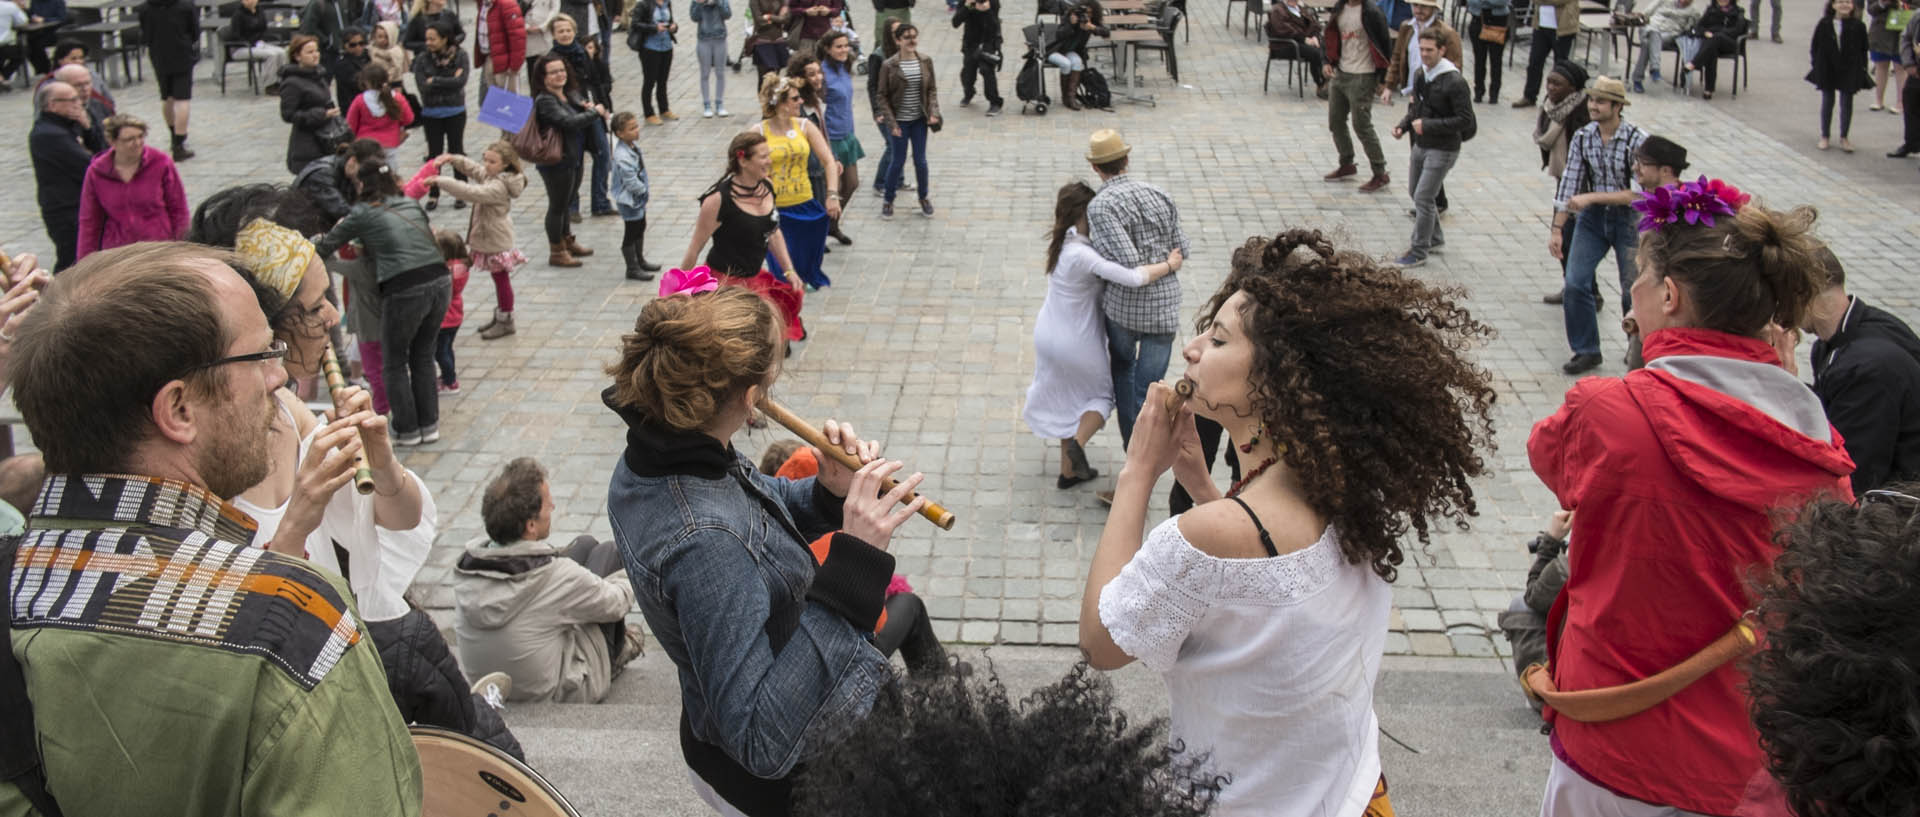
{"type": "Point", "coordinates": [1470, 746]}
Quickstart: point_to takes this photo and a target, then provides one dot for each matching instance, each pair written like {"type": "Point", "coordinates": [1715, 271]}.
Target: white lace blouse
{"type": "Point", "coordinates": [1270, 664]}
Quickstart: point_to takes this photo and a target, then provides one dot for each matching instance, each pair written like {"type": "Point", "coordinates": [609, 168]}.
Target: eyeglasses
{"type": "Point", "coordinates": [1889, 497]}
{"type": "Point", "coordinates": [357, 44]}
{"type": "Point", "coordinates": [274, 352]}
{"type": "Point", "coordinates": [60, 99]}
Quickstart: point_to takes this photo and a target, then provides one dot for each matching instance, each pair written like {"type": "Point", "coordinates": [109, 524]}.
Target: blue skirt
{"type": "Point", "coordinates": [804, 226]}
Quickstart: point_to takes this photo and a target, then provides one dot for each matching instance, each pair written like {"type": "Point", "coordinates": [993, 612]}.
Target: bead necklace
{"type": "Point", "coordinates": [1257, 471]}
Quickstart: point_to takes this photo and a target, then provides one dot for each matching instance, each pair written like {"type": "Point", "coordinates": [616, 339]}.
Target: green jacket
{"type": "Point", "coordinates": [175, 669]}
{"type": "Point", "coordinates": [395, 232]}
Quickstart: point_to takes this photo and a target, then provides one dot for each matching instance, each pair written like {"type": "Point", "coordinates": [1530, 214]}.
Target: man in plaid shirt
{"type": "Point", "coordinates": [1133, 223]}
{"type": "Point", "coordinates": [1599, 161]}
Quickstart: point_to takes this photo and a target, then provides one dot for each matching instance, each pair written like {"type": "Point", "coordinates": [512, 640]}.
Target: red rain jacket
{"type": "Point", "coordinates": [1671, 472]}
{"type": "Point", "coordinates": [506, 41]}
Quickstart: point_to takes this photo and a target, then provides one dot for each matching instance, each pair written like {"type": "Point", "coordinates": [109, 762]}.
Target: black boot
{"type": "Point", "coordinates": [640, 255]}
{"type": "Point", "coordinates": [631, 252]}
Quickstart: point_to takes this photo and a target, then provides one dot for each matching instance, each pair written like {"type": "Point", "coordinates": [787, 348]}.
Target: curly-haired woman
{"type": "Point", "coordinates": [1674, 470]}
{"type": "Point", "coordinates": [1265, 611]}
{"type": "Point", "coordinates": [1833, 685]}
{"type": "Point", "coordinates": [768, 594]}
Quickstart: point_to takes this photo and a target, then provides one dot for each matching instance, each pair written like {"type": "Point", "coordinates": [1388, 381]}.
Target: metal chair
{"type": "Point", "coordinates": [1253, 10]}
{"type": "Point", "coordinates": [1169, 22]}
{"type": "Point", "coordinates": [1742, 67]}
{"type": "Point", "coordinates": [226, 51]}
{"type": "Point", "coordinates": [1296, 68]}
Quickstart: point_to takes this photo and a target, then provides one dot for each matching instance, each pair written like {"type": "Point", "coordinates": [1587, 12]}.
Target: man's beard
{"type": "Point", "coordinates": [234, 461]}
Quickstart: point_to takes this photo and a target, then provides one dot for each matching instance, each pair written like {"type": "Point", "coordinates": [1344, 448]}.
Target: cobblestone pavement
{"type": "Point", "coordinates": [925, 339]}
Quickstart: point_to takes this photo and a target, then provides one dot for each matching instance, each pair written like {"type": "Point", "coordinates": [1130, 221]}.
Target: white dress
{"type": "Point", "coordinates": [1070, 371]}
{"type": "Point", "coordinates": [1270, 664]}
{"type": "Point", "coordinates": [382, 562]}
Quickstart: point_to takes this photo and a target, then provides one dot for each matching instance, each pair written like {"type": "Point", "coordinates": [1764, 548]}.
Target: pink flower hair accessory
{"type": "Point", "coordinates": [1695, 202]}
{"type": "Point", "coordinates": [688, 282]}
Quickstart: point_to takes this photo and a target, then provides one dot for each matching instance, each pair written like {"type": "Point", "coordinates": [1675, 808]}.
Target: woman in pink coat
{"type": "Point", "coordinates": [131, 192]}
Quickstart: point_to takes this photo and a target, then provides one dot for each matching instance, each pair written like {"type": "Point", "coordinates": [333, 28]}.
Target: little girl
{"type": "Point", "coordinates": [385, 51]}
{"type": "Point", "coordinates": [630, 195]}
{"type": "Point", "coordinates": [492, 185]}
{"type": "Point", "coordinates": [1839, 67]}
{"type": "Point", "coordinates": [455, 251]}
{"type": "Point", "coordinates": [379, 113]}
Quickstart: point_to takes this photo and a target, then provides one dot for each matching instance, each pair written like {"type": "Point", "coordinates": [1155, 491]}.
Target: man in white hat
{"type": "Point", "coordinates": [1133, 223]}
{"type": "Point", "coordinates": [1599, 160]}
{"type": "Point", "coordinates": [1406, 49]}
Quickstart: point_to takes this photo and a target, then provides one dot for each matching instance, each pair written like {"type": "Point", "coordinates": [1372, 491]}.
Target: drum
{"type": "Point", "coordinates": [464, 777]}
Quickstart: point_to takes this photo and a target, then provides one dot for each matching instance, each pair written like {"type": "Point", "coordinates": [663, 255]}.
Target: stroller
{"type": "Point", "coordinates": [1030, 85]}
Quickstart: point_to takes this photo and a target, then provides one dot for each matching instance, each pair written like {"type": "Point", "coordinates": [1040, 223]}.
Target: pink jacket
{"type": "Point", "coordinates": [456, 311]}
{"type": "Point", "coordinates": [389, 132]}
{"type": "Point", "coordinates": [113, 213]}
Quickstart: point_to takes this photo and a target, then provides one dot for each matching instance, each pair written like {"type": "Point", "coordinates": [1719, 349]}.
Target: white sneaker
{"type": "Point", "coordinates": [493, 688]}
{"type": "Point", "coordinates": [723, 110]}
{"type": "Point", "coordinates": [706, 111]}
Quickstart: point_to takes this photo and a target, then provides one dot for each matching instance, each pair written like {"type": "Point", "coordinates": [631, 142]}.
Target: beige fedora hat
{"type": "Point", "coordinates": [1106, 146]}
{"type": "Point", "coordinates": [1609, 89]}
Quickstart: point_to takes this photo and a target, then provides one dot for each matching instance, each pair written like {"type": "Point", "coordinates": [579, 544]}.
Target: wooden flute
{"type": "Point", "coordinates": [1182, 389]}
{"type": "Point", "coordinates": [933, 511]}
{"type": "Point", "coordinates": [362, 475]}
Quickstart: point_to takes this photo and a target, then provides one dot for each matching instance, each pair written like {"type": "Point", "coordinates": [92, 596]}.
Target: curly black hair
{"type": "Point", "coordinates": [1362, 373]}
{"type": "Point", "coordinates": [952, 745]}
{"type": "Point", "coordinates": [1835, 688]}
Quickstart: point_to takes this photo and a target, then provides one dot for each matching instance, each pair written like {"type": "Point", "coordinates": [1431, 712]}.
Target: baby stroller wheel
{"type": "Point", "coordinates": [1040, 107]}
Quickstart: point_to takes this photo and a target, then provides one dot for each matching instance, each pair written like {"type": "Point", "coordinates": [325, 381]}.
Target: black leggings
{"type": "Point", "coordinates": [447, 135]}
{"type": "Point", "coordinates": [1826, 112]}
{"type": "Point", "coordinates": [908, 630]}
{"type": "Point", "coordinates": [561, 180]}
{"type": "Point", "coordinates": [654, 66]}
{"type": "Point", "coordinates": [1544, 43]}
{"type": "Point", "coordinates": [1486, 55]}
{"type": "Point", "coordinates": [635, 234]}
{"type": "Point", "coordinates": [1708, 60]}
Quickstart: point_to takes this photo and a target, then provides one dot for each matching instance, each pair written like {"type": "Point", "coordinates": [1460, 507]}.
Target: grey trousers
{"type": "Point", "coordinates": [1426, 172]}
{"type": "Point", "coordinates": [712, 56]}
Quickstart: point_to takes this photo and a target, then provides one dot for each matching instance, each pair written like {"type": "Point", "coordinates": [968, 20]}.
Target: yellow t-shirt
{"type": "Point", "coordinates": [789, 150]}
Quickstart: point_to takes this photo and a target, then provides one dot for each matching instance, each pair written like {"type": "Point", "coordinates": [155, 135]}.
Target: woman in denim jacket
{"type": "Point", "coordinates": [768, 594]}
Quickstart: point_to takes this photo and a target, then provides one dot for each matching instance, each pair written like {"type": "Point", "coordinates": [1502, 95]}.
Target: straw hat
{"type": "Point", "coordinates": [1609, 89]}
{"type": "Point", "coordinates": [1432, 3]}
{"type": "Point", "coordinates": [1106, 146]}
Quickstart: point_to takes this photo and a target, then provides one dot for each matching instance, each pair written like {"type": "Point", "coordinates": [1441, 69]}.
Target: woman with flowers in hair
{"type": "Point", "coordinates": [1676, 469]}
{"type": "Point", "coordinates": [768, 594]}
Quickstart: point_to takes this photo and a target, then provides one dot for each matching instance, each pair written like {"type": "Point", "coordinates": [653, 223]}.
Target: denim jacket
{"type": "Point", "coordinates": [712, 15]}
{"type": "Point", "coordinates": [773, 663]}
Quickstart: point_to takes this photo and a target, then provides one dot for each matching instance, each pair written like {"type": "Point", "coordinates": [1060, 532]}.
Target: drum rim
{"type": "Point", "coordinates": [424, 730]}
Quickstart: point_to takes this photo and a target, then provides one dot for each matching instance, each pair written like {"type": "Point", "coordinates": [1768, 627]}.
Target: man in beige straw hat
{"type": "Point", "coordinates": [1404, 64]}
{"type": "Point", "coordinates": [1599, 160]}
{"type": "Point", "coordinates": [1133, 223]}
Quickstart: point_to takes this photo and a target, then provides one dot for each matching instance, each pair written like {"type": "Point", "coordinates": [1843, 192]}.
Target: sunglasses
{"type": "Point", "coordinates": [357, 44]}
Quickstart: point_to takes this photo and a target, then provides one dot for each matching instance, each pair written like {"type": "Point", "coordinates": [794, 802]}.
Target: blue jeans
{"type": "Point", "coordinates": [1595, 231]}
{"type": "Point", "coordinates": [914, 135]}
{"type": "Point", "coordinates": [1137, 360]}
{"type": "Point", "coordinates": [598, 150]}
{"type": "Point", "coordinates": [409, 332]}
{"type": "Point", "coordinates": [1427, 172]}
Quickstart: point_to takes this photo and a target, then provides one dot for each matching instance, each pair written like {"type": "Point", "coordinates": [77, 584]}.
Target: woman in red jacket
{"type": "Point", "coordinates": [1672, 472]}
{"type": "Point", "coordinates": [131, 192]}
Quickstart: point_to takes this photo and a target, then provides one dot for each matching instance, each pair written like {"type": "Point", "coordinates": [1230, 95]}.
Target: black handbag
{"type": "Point", "coordinates": [333, 134]}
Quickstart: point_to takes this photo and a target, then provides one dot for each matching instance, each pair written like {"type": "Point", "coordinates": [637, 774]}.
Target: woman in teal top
{"type": "Point", "coordinates": [414, 287]}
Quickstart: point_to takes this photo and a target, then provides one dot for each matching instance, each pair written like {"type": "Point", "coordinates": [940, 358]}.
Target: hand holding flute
{"type": "Point", "coordinates": [845, 456]}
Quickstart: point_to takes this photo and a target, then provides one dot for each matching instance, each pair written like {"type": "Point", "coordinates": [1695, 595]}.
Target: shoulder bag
{"type": "Point", "coordinates": [537, 143]}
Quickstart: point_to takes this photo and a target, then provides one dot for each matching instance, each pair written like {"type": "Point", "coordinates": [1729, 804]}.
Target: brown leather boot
{"type": "Point", "coordinates": [1069, 85]}
{"type": "Point", "coordinates": [573, 246]}
{"type": "Point", "coordinates": [559, 257]}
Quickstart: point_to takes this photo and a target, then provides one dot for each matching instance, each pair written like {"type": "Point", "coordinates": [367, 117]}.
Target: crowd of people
{"type": "Point", "coordinates": [1708, 659]}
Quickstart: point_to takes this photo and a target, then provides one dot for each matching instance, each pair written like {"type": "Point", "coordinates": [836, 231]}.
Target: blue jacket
{"type": "Point", "coordinates": [770, 634]}
{"type": "Point", "coordinates": [629, 181]}
{"type": "Point", "coordinates": [712, 15]}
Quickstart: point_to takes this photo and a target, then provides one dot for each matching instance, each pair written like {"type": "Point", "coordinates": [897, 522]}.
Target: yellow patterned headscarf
{"type": "Point", "coordinates": [277, 256]}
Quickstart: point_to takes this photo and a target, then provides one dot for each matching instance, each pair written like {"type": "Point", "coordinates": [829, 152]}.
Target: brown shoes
{"type": "Point", "coordinates": [1378, 181]}
{"type": "Point", "coordinates": [559, 257]}
{"type": "Point", "coordinates": [1341, 172]}
{"type": "Point", "coordinates": [573, 246]}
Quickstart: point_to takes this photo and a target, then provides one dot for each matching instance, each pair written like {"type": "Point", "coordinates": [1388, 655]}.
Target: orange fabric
{"type": "Point", "coordinates": [821, 547]}
{"type": "Point", "coordinates": [800, 465]}
{"type": "Point", "coordinates": [1379, 806]}
{"type": "Point", "coordinates": [880, 623]}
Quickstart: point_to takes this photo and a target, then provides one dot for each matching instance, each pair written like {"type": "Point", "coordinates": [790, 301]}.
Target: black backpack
{"type": "Point", "coordinates": [1093, 90]}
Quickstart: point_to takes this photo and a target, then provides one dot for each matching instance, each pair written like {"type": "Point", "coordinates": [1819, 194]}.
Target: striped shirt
{"type": "Point", "coordinates": [910, 107]}
{"type": "Point", "coordinates": [1598, 165]}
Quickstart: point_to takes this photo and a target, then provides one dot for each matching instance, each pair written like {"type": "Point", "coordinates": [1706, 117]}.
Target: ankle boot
{"type": "Point", "coordinates": [559, 256]}
{"type": "Point", "coordinates": [490, 322]}
{"type": "Point", "coordinates": [1069, 85]}
{"type": "Point", "coordinates": [573, 246]}
{"type": "Point", "coordinates": [181, 152]}
{"type": "Point", "coordinates": [640, 256]}
{"type": "Point", "coordinates": [631, 252]}
{"type": "Point", "coordinates": [502, 326]}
